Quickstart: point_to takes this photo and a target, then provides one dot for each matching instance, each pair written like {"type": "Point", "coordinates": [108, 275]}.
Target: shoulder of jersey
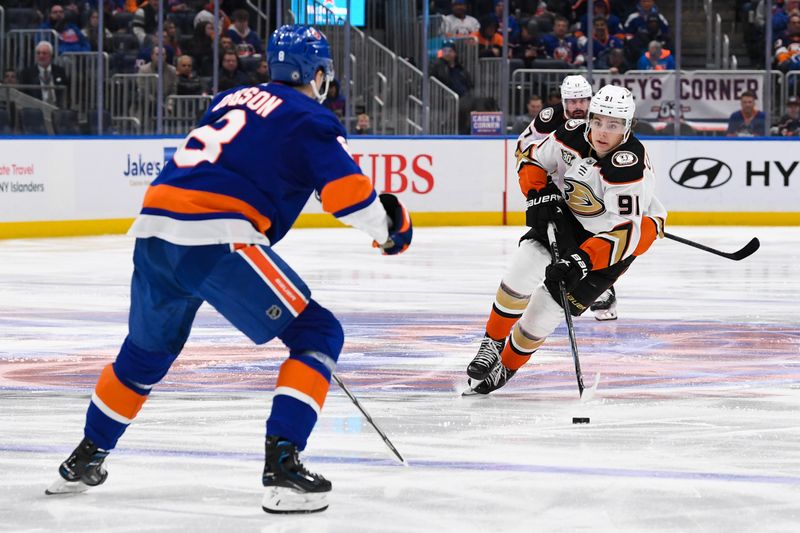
{"type": "Point", "coordinates": [549, 119]}
{"type": "Point", "coordinates": [570, 134]}
{"type": "Point", "coordinates": [625, 164]}
{"type": "Point", "coordinates": [315, 113]}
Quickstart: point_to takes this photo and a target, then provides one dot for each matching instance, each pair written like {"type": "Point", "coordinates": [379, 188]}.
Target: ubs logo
{"type": "Point", "coordinates": [700, 173]}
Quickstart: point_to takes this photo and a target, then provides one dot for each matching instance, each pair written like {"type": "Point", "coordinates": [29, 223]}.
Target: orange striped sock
{"type": "Point", "coordinates": [499, 324]}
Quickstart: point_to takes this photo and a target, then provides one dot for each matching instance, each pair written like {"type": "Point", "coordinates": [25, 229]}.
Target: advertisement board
{"type": "Point", "coordinates": [443, 181]}
{"type": "Point", "coordinates": [705, 95]}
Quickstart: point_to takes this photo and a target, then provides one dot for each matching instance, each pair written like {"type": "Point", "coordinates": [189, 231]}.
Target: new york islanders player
{"type": "Point", "coordinates": [576, 94]}
{"type": "Point", "coordinates": [594, 181]}
{"type": "Point", "coordinates": [205, 233]}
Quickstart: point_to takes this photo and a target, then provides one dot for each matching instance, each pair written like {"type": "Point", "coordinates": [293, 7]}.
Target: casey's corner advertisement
{"type": "Point", "coordinates": [705, 96]}
{"type": "Point", "coordinates": [470, 181]}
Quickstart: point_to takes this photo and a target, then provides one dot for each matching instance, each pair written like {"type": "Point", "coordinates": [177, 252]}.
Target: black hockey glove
{"type": "Point", "coordinates": [542, 208]}
{"type": "Point", "coordinates": [400, 228]}
{"type": "Point", "coordinates": [570, 269]}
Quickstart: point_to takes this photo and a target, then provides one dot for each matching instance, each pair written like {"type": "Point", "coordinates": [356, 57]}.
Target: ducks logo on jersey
{"type": "Point", "coordinates": [582, 200]}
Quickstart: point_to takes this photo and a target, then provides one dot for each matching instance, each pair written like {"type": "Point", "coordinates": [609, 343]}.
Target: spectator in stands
{"type": "Point", "coordinates": [602, 8]}
{"type": "Point", "coordinates": [781, 14]}
{"type": "Point", "coordinates": [172, 38]}
{"type": "Point", "coordinates": [363, 126]}
{"type": "Point", "coordinates": [638, 43]}
{"type": "Point", "coordinates": [513, 26]}
{"type": "Point", "coordinates": [10, 77]}
{"type": "Point", "coordinates": [530, 47]}
{"type": "Point", "coordinates": [261, 75]}
{"type": "Point", "coordinates": [458, 23]}
{"type": "Point", "coordinates": [656, 58]}
{"type": "Point", "coordinates": [554, 97]}
{"type": "Point", "coordinates": [202, 48]}
{"type": "Point", "coordinates": [559, 44]}
{"type": "Point", "coordinates": [90, 32]}
{"type": "Point", "coordinates": [788, 58]}
{"type": "Point", "coordinates": [207, 15]}
{"type": "Point", "coordinates": [789, 124]}
{"type": "Point", "coordinates": [70, 38]}
{"type": "Point", "coordinates": [241, 34]}
{"type": "Point", "coordinates": [638, 18]}
{"type": "Point", "coordinates": [334, 100]}
{"type": "Point", "coordinates": [449, 71]}
{"type": "Point", "coordinates": [226, 44]}
{"type": "Point", "coordinates": [47, 76]}
{"type": "Point", "coordinates": [614, 61]}
{"type": "Point", "coordinates": [533, 106]}
{"type": "Point", "coordinates": [603, 42]}
{"type": "Point", "coordinates": [230, 73]}
{"type": "Point", "coordinates": [748, 121]}
{"type": "Point", "coordinates": [146, 51]}
{"type": "Point", "coordinates": [188, 82]}
{"type": "Point", "coordinates": [145, 20]}
{"type": "Point", "coordinates": [783, 44]}
{"type": "Point", "coordinates": [490, 42]}
{"type": "Point", "coordinates": [169, 77]}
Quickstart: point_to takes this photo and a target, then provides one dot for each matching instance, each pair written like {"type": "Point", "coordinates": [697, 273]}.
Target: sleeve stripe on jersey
{"type": "Point", "coordinates": [346, 195]}
{"type": "Point", "coordinates": [532, 176]}
{"type": "Point", "coordinates": [609, 247]}
{"type": "Point", "coordinates": [190, 202]}
{"type": "Point", "coordinates": [651, 228]}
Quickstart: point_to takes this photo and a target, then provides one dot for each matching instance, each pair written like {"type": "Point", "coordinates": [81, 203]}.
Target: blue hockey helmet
{"type": "Point", "coordinates": [296, 52]}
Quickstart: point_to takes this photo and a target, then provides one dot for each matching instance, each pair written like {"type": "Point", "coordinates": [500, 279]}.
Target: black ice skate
{"type": "Point", "coordinates": [290, 487]}
{"type": "Point", "coordinates": [488, 355]}
{"type": "Point", "coordinates": [605, 307]}
{"type": "Point", "coordinates": [83, 469]}
{"type": "Point", "coordinates": [498, 377]}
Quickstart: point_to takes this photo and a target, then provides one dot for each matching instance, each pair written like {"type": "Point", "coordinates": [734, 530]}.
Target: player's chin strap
{"type": "Point", "coordinates": [320, 96]}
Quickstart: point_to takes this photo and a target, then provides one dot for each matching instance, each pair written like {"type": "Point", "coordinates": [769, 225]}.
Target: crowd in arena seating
{"type": "Point", "coordinates": [130, 39]}
{"type": "Point", "coordinates": [555, 33]}
{"type": "Point", "coordinates": [627, 34]}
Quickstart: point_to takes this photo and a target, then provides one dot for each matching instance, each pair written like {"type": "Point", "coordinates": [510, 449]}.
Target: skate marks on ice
{"type": "Point", "coordinates": [696, 410]}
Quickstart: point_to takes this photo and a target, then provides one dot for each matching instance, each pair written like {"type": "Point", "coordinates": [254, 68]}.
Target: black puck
{"type": "Point", "coordinates": [580, 420]}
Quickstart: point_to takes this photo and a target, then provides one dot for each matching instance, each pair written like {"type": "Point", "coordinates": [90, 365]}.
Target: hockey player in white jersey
{"type": "Point", "coordinates": [576, 93]}
{"type": "Point", "coordinates": [594, 181]}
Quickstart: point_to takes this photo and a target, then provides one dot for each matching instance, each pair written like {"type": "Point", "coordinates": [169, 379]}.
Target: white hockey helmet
{"type": "Point", "coordinates": [613, 101]}
{"type": "Point", "coordinates": [575, 87]}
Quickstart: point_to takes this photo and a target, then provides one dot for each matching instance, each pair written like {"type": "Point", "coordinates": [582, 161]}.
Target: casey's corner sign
{"type": "Point", "coordinates": [704, 95]}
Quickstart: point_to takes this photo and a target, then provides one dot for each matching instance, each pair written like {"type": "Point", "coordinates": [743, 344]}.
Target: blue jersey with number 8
{"type": "Point", "coordinates": [245, 173]}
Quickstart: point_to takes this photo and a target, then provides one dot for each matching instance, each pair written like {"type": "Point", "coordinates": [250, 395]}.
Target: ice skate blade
{"type": "Point", "coordinates": [62, 486]}
{"type": "Point", "coordinates": [283, 500]}
{"type": "Point", "coordinates": [605, 314]}
{"type": "Point", "coordinates": [470, 391]}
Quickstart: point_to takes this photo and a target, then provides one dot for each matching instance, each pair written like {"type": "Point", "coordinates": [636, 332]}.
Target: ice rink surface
{"type": "Point", "coordinates": [694, 427]}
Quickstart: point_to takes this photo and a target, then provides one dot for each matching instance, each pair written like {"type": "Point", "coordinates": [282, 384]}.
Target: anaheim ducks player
{"type": "Point", "coordinates": [576, 94]}
{"type": "Point", "coordinates": [595, 182]}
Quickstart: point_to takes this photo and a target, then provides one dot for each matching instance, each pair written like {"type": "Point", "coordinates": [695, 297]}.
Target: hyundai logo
{"type": "Point", "coordinates": [700, 173]}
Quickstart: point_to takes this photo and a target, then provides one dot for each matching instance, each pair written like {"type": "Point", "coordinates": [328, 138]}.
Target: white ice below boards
{"type": "Point", "coordinates": [694, 426]}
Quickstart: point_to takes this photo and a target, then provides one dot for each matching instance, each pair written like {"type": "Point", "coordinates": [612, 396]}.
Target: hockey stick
{"type": "Point", "coordinates": [746, 251]}
{"type": "Point", "coordinates": [369, 418]}
{"type": "Point", "coordinates": [573, 343]}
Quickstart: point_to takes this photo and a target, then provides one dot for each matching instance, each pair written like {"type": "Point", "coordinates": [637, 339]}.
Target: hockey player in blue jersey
{"type": "Point", "coordinates": [205, 233]}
